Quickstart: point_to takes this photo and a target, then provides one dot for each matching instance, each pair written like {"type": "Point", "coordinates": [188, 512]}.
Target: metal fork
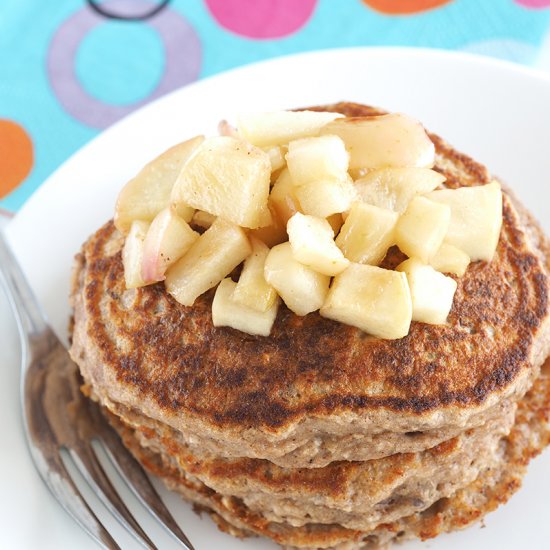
{"type": "Point", "coordinates": [57, 416]}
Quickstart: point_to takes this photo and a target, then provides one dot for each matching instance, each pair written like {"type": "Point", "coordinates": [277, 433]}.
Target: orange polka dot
{"type": "Point", "coordinates": [404, 7]}
{"type": "Point", "coordinates": [16, 156]}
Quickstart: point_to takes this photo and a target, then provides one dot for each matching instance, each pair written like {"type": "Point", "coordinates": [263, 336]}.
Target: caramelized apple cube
{"type": "Point", "coordinates": [302, 289]}
{"type": "Point", "coordinates": [218, 251]}
{"type": "Point", "coordinates": [393, 140]}
{"type": "Point", "coordinates": [325, 197]}
{"type": "Point", "coordinates": [226, 177]}
{"type": "Point", "coordinates": [394, 188]}
{"type": "Point", "coordinates": [450, 259]}
{"type": "Point", "coordinates": [278, 128]}
{"type": "Point", "coordinates": [367, 233]}
{"type": "Point", "coordinates": [373, 299]}
{"type": "Point", "coordinates": [476, 218]}
{"type": "Point", "coordinates": [144, 196]}
{"type": "Point", "coordinates": [168, 239]}
{"type": "Point", "coordinates": [422, 228]}
{"type": "Point", "coordinates": [132, 254]}
{"type": "Point", "coordinates": [283, 199]}
{"type": "Point", "coordinates": [312, 244]}
{"type": "Point", "coordinates": [226, 312]}
{"type": "Point", "coordinates": [432, 292]}
{"type": "Point", "coordinates": [252, 290]}
{"type": "Point", "coordinates": [318, 158]}
{"type": "Point", "coordinates": [276, 156]}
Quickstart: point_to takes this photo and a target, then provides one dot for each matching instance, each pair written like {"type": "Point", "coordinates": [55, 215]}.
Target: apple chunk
{"type": "Point", "coordinates": [144, 196]}
{"type": "Point", "coordinates": [382, 141]}
{"type": "Point", "coordinates": [218, 251]}
{"type": "Point", "coordinates": [450, 259]}
{"type": "Point", "coordinates": [276, 158]}
{"type": "Point", "coordinates": [280, 127]}
{"type": "Point", "coordinates": [422, 228]}
{"type": "Point", "coordinates": [252, 290]}
{"type": "Point", "coordinates": [476, 218]}
{"type": "Point", "coordinates": [367, 233]}
{"type": "Point", "coordinates": [373, 299]}
{"type": "Point", "coordinates": [168, 238]}
{"type": "Point", "coordinates": [302, 289]}
{"type": "Point", "coordinates": [432, 292]}
{"type": "Point", "coordinates": [229, 313]}
{"type": "Point", "coordinates": [312, 244]}
{"type": "Point", "coordinates": [226, 177]}
{"type": "Point", "coordinates": [132, 254]}
{"type": "Point", "coordinates": [325, 197]}
{"type": "Point", "coordinates": [283, 199]}
{"type": "Point", "coordinates": [318, 158]}
{"type": "Point", "coordinates": [394, 188]}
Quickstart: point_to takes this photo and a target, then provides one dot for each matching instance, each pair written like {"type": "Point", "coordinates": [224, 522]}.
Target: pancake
{"type": "Point", "coordinates": [316, 390]}
{"type": "Point", "coordinates": [322, 436]}
{"type": "Point", "coordinates": [493, 487]}
{"type": "Point", "coordinates": [357, 495]}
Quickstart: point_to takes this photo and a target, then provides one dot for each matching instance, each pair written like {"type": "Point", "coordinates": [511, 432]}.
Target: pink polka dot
{"type": "Point", "coordinates": [534, 3]}
{"type": "Point", "coordinates": [262, 18]}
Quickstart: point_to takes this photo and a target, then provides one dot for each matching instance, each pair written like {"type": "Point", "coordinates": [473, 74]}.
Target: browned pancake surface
{"type": "Point", "coordinates": [529, 436]}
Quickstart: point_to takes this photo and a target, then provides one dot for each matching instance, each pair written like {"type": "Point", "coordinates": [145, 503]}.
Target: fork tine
{"type": "Point", "coordinates": [55, 475]}
{"type": "Point", "coordinates": [137, 480]}
{"type": "Point", "coordinates": [89, 466]}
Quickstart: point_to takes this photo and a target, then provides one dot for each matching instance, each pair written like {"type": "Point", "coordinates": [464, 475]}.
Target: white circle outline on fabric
{"type": "Point", "coordinates": [177, 35]}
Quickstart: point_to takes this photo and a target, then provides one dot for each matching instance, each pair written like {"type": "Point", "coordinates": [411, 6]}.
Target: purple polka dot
{"type": "Point", "coordinates": [182, 52]}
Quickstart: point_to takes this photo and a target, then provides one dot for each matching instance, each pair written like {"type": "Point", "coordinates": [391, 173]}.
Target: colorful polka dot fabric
{"type": "Point", "coordinates": [70, 68]}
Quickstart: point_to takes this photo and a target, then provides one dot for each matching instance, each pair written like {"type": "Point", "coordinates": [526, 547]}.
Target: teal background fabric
{"type": "Point", "coordinates": [67, 72]}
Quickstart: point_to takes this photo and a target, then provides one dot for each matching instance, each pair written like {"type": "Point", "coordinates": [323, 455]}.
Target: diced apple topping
{"type": "Point", "coordinates": [476, 218]}
{"type": "Point", "coordinates": [281, 127]}
{"type": "Point", "coordinates": [431, 292]}
{"type": "Point", "coordinates": [392, 140]}
{"type": "Point", "coordinates": [312, 244]}
{"type": "Point", "coordinates": [252, 290]}
{"type": "Point", "coordinates": [168, 239]}
{"type": "Point", "coordinates": [367, 233]}
{"type": "Point", "coordinates": [314, 226]}
{"type": "Point", "coordinates": [394, 188]}
{"type": "Point", "coordinates": [283, 198]}
{"type": "Point", "coordinates": [132, 254]}
{"type": "Point", "coordinates": [450, 259]}
{"type": "Point", "coordinates": [218, 251]}
{"type": "Point", "coordinates": [226, 177]}
{"type": "Point", "coordinates": [226, 312]}
{"type": "Point", "coordinates": [319, 158]}
{"type": "Point", "coordinates": [276, 156]}
{"type": "Point", "coordinates": [325, 197]}
{"type": "Point", "coordinates": [144, 196]}
{"type": "Point", "coordinates": [422, 228]}
{"type": "Point", "coordinates": [302, 289]}
{"type": "Point", "coordinates": [373, 299]}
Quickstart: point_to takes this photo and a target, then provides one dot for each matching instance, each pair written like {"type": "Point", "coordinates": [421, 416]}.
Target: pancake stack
{"type": "Point", "coordinates": [321, 436]}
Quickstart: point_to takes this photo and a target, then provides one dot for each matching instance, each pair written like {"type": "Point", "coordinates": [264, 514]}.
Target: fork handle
{"type": "Point", "coordinates": [28, 314]}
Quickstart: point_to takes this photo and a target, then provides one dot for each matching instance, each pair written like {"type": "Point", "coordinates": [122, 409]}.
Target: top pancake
{"type": "Point", "coordinates": [315, 382]}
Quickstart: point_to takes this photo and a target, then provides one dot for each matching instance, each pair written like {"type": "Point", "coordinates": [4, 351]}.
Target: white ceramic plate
{"type": "Point", "coordinates": [497, 112]}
